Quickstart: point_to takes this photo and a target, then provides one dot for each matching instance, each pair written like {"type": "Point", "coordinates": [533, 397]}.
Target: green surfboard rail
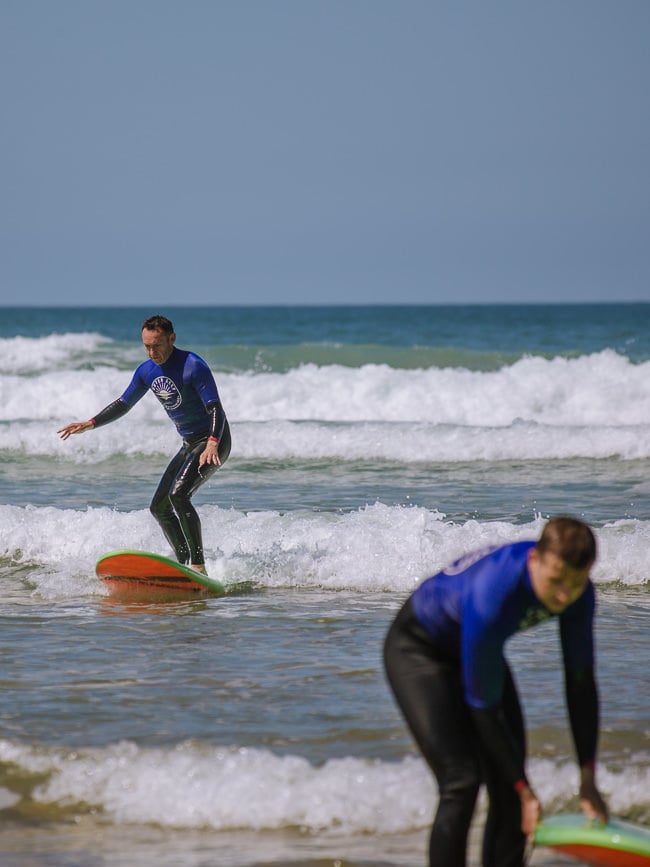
{"type": "Point", "coordinates": [575, 829]}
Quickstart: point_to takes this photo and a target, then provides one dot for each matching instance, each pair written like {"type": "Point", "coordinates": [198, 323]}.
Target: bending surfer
{"type": "Point", "coordinates": [184, 385]}
{"type": "Point", "coordinates": [445, 663]}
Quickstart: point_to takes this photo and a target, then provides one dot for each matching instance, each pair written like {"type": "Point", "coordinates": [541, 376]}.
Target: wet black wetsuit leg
{"type": "Point", "coordinates": [163, 511]}
{"type": "Point", "coordinates": [429, 693]}
{"type": "Point", "coordinates": [171, 504]}
{"type": "Point", "coordinates": [504, 843]}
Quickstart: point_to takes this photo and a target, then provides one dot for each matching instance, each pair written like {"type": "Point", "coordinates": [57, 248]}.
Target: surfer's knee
{"type": "Point", "coordinates": [180, 502]}
{"type": "Point", "coordinates": [161, 507]}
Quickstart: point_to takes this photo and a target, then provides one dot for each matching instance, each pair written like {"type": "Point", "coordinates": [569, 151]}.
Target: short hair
{"type": "Point", "coordinates": [569, 539]}
{"type": "Point", "coordinates": [158, 323]}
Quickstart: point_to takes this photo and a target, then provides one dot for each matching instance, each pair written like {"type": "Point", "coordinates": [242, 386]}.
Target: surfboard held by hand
{"type": "Point", "coordinates": [614, 844]}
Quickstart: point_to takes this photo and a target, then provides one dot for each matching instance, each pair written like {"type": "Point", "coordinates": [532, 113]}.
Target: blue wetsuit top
{"type": "Point", "coordinates": [472, 607]}
{"type": "Point", "coordinates": [185, 387]}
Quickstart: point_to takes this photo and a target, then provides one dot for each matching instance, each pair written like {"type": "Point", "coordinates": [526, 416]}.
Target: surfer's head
{"type": "Point", "coordinates": [158, 338]}
{"type": "Point", "coordinates": [569, 539]}
{"type": "Point", "coordinates": [158, 323]}
{"type": "Point", "coordinates": [559, 564]}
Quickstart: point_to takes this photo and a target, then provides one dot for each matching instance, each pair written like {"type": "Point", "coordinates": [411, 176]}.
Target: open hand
{"type": "Point", "coordinates": [74, 427]}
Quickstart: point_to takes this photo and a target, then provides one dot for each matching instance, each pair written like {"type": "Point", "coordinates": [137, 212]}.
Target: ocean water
{"type": "Point", "coordinates": [371, 446]}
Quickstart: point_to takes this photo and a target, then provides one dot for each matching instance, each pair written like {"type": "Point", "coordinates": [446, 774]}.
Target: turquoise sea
{"type": "Point", "coordinates": [371, 446]}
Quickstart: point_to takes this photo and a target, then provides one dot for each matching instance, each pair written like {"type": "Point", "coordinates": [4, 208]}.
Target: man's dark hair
{"type": "Point", "coordinates": [569, 539]}
{"type": "Point", "coordinates": [158, 323]}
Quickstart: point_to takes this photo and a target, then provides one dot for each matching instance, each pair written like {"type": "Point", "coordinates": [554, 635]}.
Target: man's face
{"type": "Point", "coordinates": [158, 345]}
{"type": "Point", "coordinates": [555, 583]}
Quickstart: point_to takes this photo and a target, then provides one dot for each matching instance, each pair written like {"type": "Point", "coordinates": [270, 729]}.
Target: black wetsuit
{"type": "Point", "coordinates": [444, 657]}
{"type": "Point", "coordinates": [186, 388]}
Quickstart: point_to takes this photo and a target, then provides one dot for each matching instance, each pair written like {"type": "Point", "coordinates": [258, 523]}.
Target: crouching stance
{"type": "Point", "coordinates": [184, 385]}
{"type": "Point", "coordinates": [444, 658]}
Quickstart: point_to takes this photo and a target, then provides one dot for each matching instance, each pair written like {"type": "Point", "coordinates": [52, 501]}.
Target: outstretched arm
{"type": "Point", "coordinates": [114, 410]}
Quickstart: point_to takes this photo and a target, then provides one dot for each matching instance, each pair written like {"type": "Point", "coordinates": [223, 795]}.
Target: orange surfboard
{"type": "Point", "coordinates": [140, 571]}
{"type": "Point", "coordinates": [614, 844]}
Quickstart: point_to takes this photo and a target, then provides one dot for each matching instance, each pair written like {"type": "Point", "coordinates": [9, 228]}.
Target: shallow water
{"type": "Point", "coordinates": [257, 728]}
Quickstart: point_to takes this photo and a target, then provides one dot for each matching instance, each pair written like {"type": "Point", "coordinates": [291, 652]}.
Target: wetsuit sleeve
{"type": "Point", "coordinates": [484, 675]}
{"type": "Point", "coordinates": [136, 389]}
{"type": "Point", "coordinates": [584, 714]}
{"type": "Point", "coordinates": [498, 742]}
{"type": "Point", "coordinates": [202, 380]}
{"type": "Point", "coordinates": [490, 616]}
{"type": "Point", "coordinates": [111, 412]}
{"type": "Point", "coordinates": [217, 419]}
{"type": "Point", "coordinates": [576, 632]}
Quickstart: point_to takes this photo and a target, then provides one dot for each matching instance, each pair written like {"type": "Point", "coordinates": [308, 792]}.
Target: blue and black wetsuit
{"type": "Point", "coordinates": [186, 388]}
{"type": "Point", "coordinates": [444, 658]}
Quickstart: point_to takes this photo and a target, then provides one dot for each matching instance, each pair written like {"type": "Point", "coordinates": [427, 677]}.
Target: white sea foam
{"type": "Point", "coordinates": [143, 430]}
{"type": "Point", "coordinates": [27, 355]}
{"type": "Point", "coordinates": [374, 549]}
{"type": "Point", "coordinates": [595, 406]}
{"type": "Point", "coordinates": [235, 787]}
{"type": "Point", "coordinates": [602, 389]}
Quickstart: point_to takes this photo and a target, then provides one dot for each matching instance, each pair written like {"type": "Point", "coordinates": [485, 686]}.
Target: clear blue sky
{"type": "Point", "coordinates": [324, 151]}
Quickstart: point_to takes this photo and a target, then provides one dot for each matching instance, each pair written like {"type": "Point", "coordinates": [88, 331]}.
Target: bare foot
{"type": "Point", "coordinates": [199, 567]}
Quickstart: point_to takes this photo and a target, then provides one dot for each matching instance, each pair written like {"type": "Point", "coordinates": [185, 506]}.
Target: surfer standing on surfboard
{"type": "Point", "coordinates": [184, 385]}
{"type": "Point", "coordinates": [445, 663]}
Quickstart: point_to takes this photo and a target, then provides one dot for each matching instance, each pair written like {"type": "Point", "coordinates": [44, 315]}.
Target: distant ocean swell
{"type": "Point", "coordinates": [593, 406]}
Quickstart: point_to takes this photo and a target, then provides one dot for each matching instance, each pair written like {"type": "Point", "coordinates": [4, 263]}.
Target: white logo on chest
{"type": "Point", "coordinates": [166, 392]}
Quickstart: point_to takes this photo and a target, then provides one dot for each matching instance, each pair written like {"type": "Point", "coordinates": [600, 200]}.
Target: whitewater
{"type": "Point", "coordinates": [370, 448]}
